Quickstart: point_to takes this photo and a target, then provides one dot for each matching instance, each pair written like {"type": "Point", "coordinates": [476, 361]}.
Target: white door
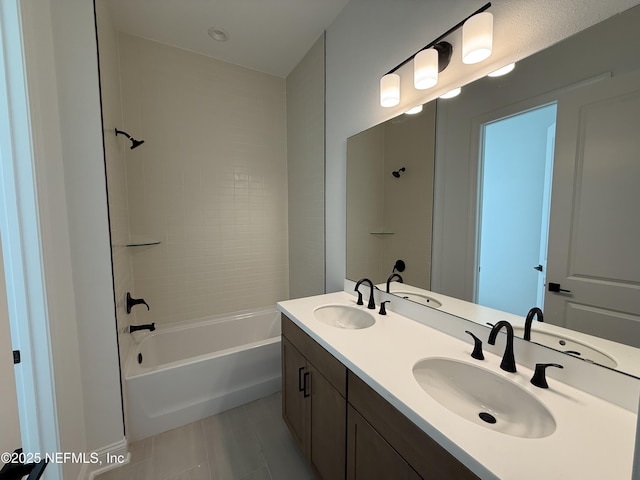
{"type": "Point", "coordinates": [9, 420]}
{"type": "Point", "coordinates": [594, 236]}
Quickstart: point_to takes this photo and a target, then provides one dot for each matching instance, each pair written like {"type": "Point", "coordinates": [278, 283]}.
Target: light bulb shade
{"type": "Point", "coordinates": [452, 93]}
{"type": "Point", "coordinates": [390, 90]}
{"type": "Point", "coordinates": [502, 71]}
{"type": "Point", "coordinates": [477, 38]}
{"type": "Point", "coordinates": [414, 110]}
{"type": "Point", "coordinates": [425, 69]}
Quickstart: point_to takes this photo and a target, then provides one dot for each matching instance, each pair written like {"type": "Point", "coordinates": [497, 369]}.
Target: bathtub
{"type": "Point", "coordinates": [191, 370]}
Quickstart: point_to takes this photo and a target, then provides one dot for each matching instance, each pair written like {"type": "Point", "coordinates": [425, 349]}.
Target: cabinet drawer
{"type": "Point", "coordinates": [328, 365]}
{"type": "Point", "coordinates": [424, 454]}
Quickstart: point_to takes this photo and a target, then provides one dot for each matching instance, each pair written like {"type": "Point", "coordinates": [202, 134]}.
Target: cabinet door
{"type": "Point", "coordinates": [328, 427]}
{"type": "Point", "coordinates": [294, 405]}
{"type": "Point", "coordinates": [369, 456]}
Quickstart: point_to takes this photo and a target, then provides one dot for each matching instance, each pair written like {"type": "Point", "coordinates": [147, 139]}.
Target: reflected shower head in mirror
{"type": "Point", "coordinates": [399, 266]}
{"type": "Point", "coordinates": [134, 143]}
{"type": "Point", "coordinates": [396, 173]}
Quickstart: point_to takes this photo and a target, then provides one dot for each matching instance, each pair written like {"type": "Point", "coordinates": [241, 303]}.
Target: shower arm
{"type": "Point", "coordinates": [120, 132]}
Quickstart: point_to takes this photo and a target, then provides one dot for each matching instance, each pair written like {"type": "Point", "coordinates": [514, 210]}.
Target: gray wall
{"type": "Point", "coordinates": [305, 171]}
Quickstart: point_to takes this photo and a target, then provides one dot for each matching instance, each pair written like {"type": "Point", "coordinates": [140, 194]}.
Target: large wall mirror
{"type": "Point", "coordinates": [520, 192]}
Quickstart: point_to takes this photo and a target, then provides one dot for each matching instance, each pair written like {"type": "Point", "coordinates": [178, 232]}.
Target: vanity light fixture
{"type": "Point", "coordinates": [390, 90]}
{"type": "Point", "coordinates": [502, 71]}
{"type": "Point", "coordinates": [451, 93]}
{"type": "Point", "coordinates": [477, 38]}
{"type": "Point", "coordinates": [425, 68]}
{"type": "Point", "coordinates": [436, 56]}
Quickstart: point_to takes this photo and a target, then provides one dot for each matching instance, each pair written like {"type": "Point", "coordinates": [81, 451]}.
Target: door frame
{"type": "Point", "coordinates": [22, 243]}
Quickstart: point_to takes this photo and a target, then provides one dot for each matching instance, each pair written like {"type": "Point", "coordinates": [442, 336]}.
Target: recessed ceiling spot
{"type": "Point", "coordinates": [218, 34]}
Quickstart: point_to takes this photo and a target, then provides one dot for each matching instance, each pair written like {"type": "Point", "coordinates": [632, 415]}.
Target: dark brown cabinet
{"type": "Point", "coordinates": [369, 456]}
{"type": "Point", "coordinates": [359, 436]}
{"type": "Point", "coordinates": [313, 401]}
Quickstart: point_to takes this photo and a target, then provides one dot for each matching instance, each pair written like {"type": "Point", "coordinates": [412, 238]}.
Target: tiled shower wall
{"type": "Point", "coordinates": [209, 183]}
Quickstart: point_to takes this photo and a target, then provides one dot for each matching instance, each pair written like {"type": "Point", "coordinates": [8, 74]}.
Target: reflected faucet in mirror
{"type": "Point", "coordinates": [392, 277]}
{"type": "Point", "coordinates": [534, 312]}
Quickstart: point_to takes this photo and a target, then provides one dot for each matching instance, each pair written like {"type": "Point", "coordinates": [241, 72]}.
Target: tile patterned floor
{"type": "Point", "coordinates": [250, 442]}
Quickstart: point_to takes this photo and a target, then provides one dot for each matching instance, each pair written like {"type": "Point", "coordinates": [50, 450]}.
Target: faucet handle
{"type": "Point", "coordinates": [539, 378]}
{"type": "Point", "coordinates": [135, 301]}
{"type": "Point", "coordinates": [359, 302]}
{"type": "Point", "coordinates": [383, 310]}
{"type": "Point", "coordinates": [477, 347]}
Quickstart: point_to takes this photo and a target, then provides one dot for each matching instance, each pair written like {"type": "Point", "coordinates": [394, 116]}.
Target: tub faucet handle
{"type": "Point", "coordinates": [135, 301]}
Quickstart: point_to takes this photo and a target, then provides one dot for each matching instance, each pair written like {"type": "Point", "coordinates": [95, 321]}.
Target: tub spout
{"type": "Point", "coordinates": [148, 326]}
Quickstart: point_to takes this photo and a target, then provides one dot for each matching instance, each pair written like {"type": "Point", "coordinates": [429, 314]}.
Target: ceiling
{"type": "Point", "coordinates": [270, 36]}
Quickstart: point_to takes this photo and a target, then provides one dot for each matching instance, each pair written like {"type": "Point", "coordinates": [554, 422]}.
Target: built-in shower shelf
{"type": "Point", "coordinates": [381, 233]}
{"type": "Point", "coordinates": [143, 243]}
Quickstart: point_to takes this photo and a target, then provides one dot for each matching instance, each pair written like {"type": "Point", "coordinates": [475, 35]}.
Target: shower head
{"type": "Point", "coordinates": [134, 143]}
{"type": "Point", "coordinates": [396, 173]}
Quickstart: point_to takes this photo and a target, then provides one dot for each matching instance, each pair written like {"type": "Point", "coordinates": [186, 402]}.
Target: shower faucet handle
{"type": "Point", "coordinates": [135, 301]}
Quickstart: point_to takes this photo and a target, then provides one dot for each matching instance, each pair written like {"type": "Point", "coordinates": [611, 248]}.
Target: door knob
{"type": "Point", "coordinates": [555, 287]}
{"type": "Point", "coordinates": [539, 268]}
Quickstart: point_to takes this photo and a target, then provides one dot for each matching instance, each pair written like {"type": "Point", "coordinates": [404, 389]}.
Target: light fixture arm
{"type": "Point", "coordinates": [444, 48]}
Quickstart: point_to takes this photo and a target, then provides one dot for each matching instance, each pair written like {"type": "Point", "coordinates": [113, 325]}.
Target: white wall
{"type": "Point", "coordinates": [305, 173]}
{"type": "Point", "coordinates": [210, 182]}
{"type": "Point", "coordinates": [370, 37]}
{"type": "Point", "coordinates": [66, 129]}
{"type": "Point", "coordinates": [76, 71]}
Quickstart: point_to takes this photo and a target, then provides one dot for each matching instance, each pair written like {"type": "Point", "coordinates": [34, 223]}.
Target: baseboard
{"type": "Point", "coordinates": [108, 457]}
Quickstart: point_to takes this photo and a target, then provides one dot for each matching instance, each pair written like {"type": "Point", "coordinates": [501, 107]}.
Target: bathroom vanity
{"type": "Point", "coordinates": [370, 396]}
{"type": "Point", "coordinates": [339, 421]}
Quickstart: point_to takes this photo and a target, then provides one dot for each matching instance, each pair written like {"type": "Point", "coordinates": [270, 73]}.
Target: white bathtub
{"type": "Point", "coordinates": [191, 370]}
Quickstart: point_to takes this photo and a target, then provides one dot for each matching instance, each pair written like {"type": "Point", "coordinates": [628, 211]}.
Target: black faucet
{"type": "Point", "coordinates": [149, 326]}
{"type": "Point", "coordinates": [135, 301]}
{"type": "Point", "coordinates": [391, 278]}
{"type": "Point", "coordinates": [508, 363]}
{"type": "Point", "coordinates": [534, 312]}
{"type": "Point", "coordinates": [372, 304]}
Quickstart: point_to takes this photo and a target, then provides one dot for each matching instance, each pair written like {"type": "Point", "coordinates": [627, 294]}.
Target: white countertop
{"type": "Point", "coordinates": [593, 439]}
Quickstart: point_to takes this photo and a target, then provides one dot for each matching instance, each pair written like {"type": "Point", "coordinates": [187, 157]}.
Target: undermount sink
{"type": "Point", "coordinates": [344, 316]}
{"type": "Point", "coordinates": [569, 346]}
{"type": "Point", "coordinates": [484, 398]}
{"type": "Point", "coordinates": [418, 297]}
